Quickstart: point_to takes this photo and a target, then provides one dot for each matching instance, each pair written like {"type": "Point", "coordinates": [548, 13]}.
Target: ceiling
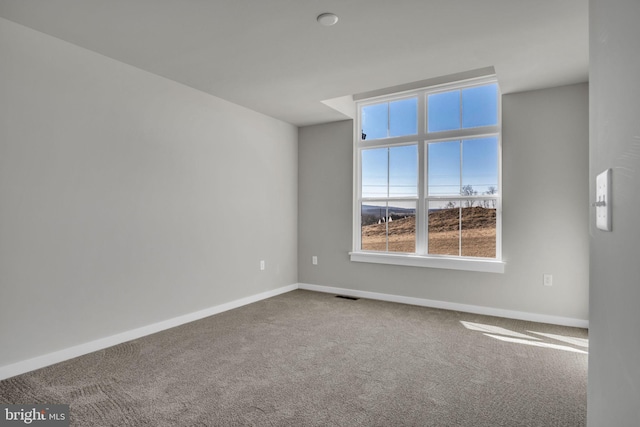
{"type": "Point", "coordinates": [273, 57]}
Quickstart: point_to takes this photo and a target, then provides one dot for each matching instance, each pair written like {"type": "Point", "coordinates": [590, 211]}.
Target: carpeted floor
{"type": "Point", "coordinates": [311, 359]}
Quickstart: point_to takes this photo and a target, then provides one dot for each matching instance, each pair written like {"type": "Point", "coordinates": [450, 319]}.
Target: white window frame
{"type": "Point", "coordinates": [421, 258]}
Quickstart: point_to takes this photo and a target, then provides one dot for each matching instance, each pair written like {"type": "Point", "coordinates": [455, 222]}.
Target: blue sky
{"type": "Point", "coordinates": [451, 164]}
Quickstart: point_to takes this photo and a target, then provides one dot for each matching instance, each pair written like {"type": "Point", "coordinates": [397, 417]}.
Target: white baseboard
{"type": "Point", "coordinates": [475, 309]}
{"type": "Point", "coordinates": [22, 367]}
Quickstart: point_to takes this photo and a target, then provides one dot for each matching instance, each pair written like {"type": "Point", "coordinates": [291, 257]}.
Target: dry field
{"type": "Point", "coordinates": [478, 233]}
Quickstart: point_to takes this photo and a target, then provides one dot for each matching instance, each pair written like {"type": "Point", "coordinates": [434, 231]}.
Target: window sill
{"type": "Point", "coordinates": [467, 264]}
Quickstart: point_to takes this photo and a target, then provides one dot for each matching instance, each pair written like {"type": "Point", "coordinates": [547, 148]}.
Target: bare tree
{"type": "Point", "coordinates": [467, 190]}
{"type": "Point", "coordinates": [490, 191]}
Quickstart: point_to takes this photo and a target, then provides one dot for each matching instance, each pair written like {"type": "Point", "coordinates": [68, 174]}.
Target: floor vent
{"type": "Point", "coordinates": [346, 297]}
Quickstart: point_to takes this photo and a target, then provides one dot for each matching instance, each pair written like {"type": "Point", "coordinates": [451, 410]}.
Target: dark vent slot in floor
{"type": "Point", "coordinates": [346, 297]}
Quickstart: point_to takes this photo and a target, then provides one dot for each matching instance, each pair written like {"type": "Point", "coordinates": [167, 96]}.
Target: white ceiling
{"type": "Point", "coordinates": [273, 57]}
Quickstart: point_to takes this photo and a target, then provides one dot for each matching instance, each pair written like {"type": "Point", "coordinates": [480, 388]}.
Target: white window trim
{"type": "Point", "coordinates": [432, 261]}
{"type": "Point", "coordinates": [489, 265]}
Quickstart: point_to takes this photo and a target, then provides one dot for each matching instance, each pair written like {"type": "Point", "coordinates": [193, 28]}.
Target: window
{"type": "Point", "coordinates": [427, 178]}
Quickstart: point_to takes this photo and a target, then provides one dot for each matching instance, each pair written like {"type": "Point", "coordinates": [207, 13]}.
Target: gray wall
{"type": "Point", "coordinates": [545, 215]}
{"type": "Point", "coordinates": [614, 355]}
{"type": "Point", "coordinates": [127, 199]}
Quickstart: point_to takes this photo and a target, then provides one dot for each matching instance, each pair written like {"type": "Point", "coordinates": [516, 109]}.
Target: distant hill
{"type": "Point", "coordinates": [378, 210]}
{"type": "Point", "coordinates": [472, 218]}
{"type": "Point", "coordinates": [372, 214]}
{"type": "Point", "coordinates": [439, 220]}
{"type": "Point", "coordinates": [478, 232]}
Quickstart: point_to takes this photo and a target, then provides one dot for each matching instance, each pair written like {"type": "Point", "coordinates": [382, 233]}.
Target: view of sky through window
{"type": "Point", "coordinates": [457, 164]}
{"type": "Point", "coordinates": [390, 172]}
{"type": "Point", "coordinates": [390, 119]}
{"type": "Point", "coordinates": [452, 165]}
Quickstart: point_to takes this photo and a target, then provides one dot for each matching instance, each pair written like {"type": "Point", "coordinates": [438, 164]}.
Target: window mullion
{"type": "Point", "coordinates": [386, 221]}
{"type": "Point", "coordinates": [460, 229]}
{"type": "Point", "coordinates": [460, 106]}
{"type": "Point", "coordinates": [461, 165]}
{"type": "Point", "coordinates": [421, 212]}
{"type": "Point", "coordinates": [423, 180]}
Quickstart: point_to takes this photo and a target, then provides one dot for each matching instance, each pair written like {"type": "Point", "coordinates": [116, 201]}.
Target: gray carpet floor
{"type": "Point", "coordinates": [311, 359]}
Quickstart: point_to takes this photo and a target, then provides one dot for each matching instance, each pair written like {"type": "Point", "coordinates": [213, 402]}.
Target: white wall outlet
{"type": "Point", "coordinates": [262, 265]}
{"type": "Point", "coordinates": [547, 279]}
{"type": "Point", "coordinates": [603, 201]}
{"type": "Point", "coordinates": [314, 260]}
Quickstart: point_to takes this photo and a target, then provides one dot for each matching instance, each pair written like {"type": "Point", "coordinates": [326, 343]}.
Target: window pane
{"type": "Point", "coordinates": [373, 226]}
{"type": "Point", "coordinates": [480, 106]}
{"type": "Point", "coordinates": [444, 168]}
{"type": "Point", "coordinates": [403, 117]}
{"type": "Point", "coordinates": [403, 171]}
{"type": "Point", "coordinates": [375, 172]}
{"type": "Point", "coordinates": [401, 226]}
{"type": "Point", "coordinates": [375, 121]}
{"type": "Point", "coordinates": [479, 228]}
{"type": "Point", "coordinates": [480, 166]}
{"type": "Point", "coordinates": [444, 111]}
{"type": "Point", "coordinates": [444, 228]}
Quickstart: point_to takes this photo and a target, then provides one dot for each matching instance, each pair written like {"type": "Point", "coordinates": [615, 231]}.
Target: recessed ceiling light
{"type": "Point", "coordinates": [327, 19]}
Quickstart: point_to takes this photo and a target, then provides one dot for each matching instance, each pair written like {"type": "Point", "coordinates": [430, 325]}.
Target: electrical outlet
{"type": "Point", "coordinates": [314, 260]}
{"type": "Point", "coordinates": [262, 265]}
{"type": "Point", "coordinates": [547, 279]}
